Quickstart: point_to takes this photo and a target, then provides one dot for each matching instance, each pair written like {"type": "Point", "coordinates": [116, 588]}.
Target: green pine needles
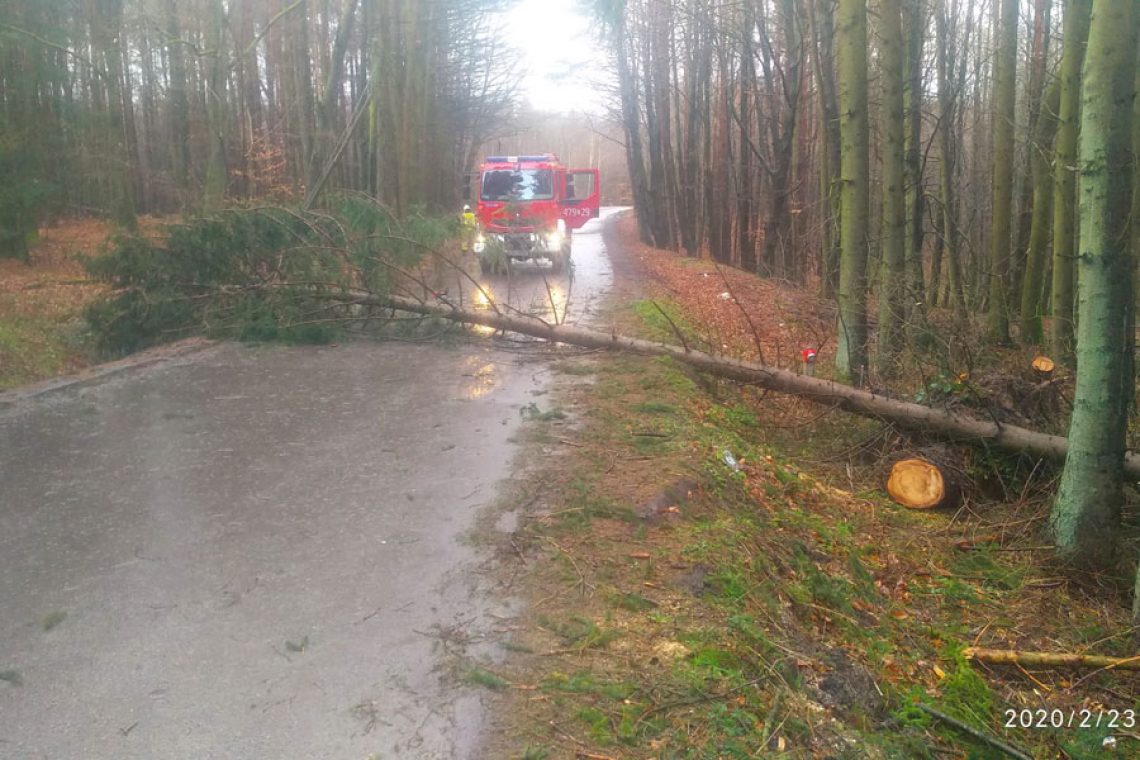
{"type": "Point", "coordinates": [256, 274]}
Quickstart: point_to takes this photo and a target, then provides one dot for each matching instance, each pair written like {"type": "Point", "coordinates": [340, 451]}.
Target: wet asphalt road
{"type": "Point", "coordinates": [255, 549]}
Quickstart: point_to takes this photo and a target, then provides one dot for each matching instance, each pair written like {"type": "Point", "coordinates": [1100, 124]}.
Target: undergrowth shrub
{"type": "Point", "coordinates": [257, 274]}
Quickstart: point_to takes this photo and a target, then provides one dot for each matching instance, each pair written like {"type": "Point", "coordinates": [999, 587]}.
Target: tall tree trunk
{"type": "Point", "coordinates": [1004, 98]}
{"type": "Point", "coordinates": [777, 253]}
{"type": "Point", "coordinates": [217, 174]}
{"type": "Point", "coordinates": [719, 213]}
{"type": "Point", "coordinates": [820, 15]}
{"type": "Point", "coordinates": [892, 278]}
{"type": "Point", "coordinates": [1086, 512]}
{"type": "Point", "coordinates": [631, 120]}
{"type": "Point", "coordinates": [851, 353]}
{"type": "Point", "coordinates": [1033, 96]}
{"type": "Point", "coordinates": [660, 137]}
{"type": "Point", "coordinates": [689, 199]}
{"type": "Point", "coordinates": [303, 98]}
{"type": "Point", "coordinates": [1134, 220]}
{"type": "Point", "coordinates": [1061, 336]}
{"type": "Point", "coordinates": [106, 28]}
{"type": "Point", "coordinates": [745, 242]}
{"type": "Point", "coordinates": [326, 134]}
{"type": "Point", "coordinates": [1040, 155]}
{"type": "Point", "coordinates": [946, 119]}
{"type": "Point", "coordinates": [915, 33]}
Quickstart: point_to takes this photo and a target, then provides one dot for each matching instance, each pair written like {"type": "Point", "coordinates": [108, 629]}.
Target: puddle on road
{"type": "Point", "coordinates": [480, 378]}
{"type": "Point", "coordinates": [532, 288]}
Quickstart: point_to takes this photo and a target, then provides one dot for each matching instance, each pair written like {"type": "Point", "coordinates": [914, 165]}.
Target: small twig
{"type": "Point", "coordinates": [697, 700]}
{"type": "Point", "coordinates": [676, 330]}
{"type": "Point", "coordinates": [979, 735]}
{"type": "Point", "coordinates": [581, 577]}
{"type": "Point", "coordinates": [766, 734]}
{"type": "Point", "coordinates": [1110, 666]}
{"type": "Point", "coordinates": [744, 312]}
{"type": "Point", "coordinates": [566, 733]}
{"type": "Point", "coordinates": [553, 305]}
{"type": "Point", "coordinates": [518, 551]}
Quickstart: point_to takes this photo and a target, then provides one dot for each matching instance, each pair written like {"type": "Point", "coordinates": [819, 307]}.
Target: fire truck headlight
{"type": "Point", "coordinates": [480, 243]}
{"type": "Point", "coordinates": [554, 240]}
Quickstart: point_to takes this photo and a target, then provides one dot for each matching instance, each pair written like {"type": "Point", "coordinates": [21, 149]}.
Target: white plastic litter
{"type": "Point", "coordinates": [730, 460]}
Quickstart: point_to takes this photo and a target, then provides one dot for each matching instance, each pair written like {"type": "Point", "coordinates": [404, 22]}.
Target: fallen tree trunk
{"type": "Point", "coordinates": [1050, 659]}
{"type": "Point", "coordinates": [939, 422]}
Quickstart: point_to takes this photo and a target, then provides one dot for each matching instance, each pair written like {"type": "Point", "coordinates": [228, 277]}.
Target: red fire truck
{"type": "Point", "coordinates": [529, 207]}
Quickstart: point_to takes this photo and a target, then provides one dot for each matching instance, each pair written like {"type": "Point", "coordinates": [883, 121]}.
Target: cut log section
{"type": "Point", "coordinates": [1043, 365]}
{"type": "Point", "coordinates": [922, 484]}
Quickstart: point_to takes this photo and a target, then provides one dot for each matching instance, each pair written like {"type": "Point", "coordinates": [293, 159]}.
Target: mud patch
{"type": "Point", "coordinates": [694, 580]}
{"type": "Point", "coordinates": [850, 688]}
{"type": "Point", "coordinates": [667, 503]}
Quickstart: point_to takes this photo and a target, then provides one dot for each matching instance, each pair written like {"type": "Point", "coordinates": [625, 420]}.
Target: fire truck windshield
{"type": "Point", "coordinates": [518, 185]}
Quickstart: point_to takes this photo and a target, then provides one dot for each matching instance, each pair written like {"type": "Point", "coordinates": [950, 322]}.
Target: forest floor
{"type": "Point", "coordinates": [41, 302]}
{"type": "Point", "coordinates": [681, 606]}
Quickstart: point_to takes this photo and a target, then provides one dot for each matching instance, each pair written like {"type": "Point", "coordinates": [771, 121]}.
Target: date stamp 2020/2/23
{"type": "Point", "coordinates": [1042, 718]}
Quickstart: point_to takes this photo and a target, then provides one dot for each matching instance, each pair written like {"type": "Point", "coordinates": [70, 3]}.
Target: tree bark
{"type": "Point", "coordinates": [323, 144]}
{"type": "Point", "coordinates": [1061, 335]}
{"type": "Point", "coordinates": [1032, 303]}
{"type": "Point", "coordinates": [946, 117]}
{"type": "Point", "coordinates": [1004, 98]}
{"type": "Point", "coordinates": [631, 120]}
{"type": "Point", "coordinates": [1086, 513]}
{"type": "Point", "coordinates": [820, 15]}
{"type": "Point", "coordinates": [851, 355]}
{"type": "Point", "coordinates": [915, 35]}
{"type": "Point", "coordinates": [892, 277]}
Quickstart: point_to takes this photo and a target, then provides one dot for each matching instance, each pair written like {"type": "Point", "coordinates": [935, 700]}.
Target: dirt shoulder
{"type": "Point", "coordinates": [41, 302]}
{"type": "Point", "coordinates": [714, 572]}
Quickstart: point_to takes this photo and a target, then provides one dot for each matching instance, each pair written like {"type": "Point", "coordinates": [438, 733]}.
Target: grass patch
{"type": "Point", "coordinates": [52, 619]}
{"type": "Point", "coordinates": [633, 602]}
{"type": "Point", "coordinates": [486, 679]}
{"type": "Point", "coordinates": [585, 682]}
{"type": "Point", "coordinates": [32, 348]}
{"type": "Point", "coordinates": [531, 413]}
{"type": "Point", "coordinates": [298, 646]}
{"type": "Point", "coordinates": [572, 368]}
{"type": "Point", "coordinates": [661, 319]}
{"type": "Point", "coordinates": [580, 632]}
{"type": "Point", "coordinates": [654, 407]}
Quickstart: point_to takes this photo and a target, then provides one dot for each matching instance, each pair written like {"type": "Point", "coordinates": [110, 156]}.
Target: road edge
{"type": "Point", "coordinates": [13, 397]}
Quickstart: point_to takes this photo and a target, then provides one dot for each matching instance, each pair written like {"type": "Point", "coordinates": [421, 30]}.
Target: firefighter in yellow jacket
{"type": "Point", "coordinates": [470, 225]}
